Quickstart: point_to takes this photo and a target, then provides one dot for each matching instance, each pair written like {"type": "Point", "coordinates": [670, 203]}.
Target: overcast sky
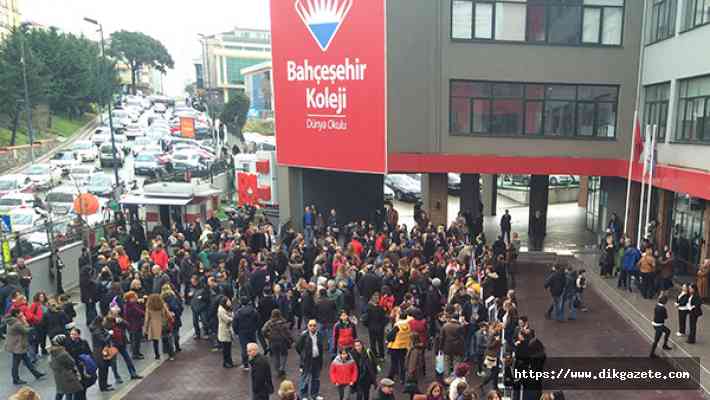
{"type": "Point", "coordinates": [175, 23]}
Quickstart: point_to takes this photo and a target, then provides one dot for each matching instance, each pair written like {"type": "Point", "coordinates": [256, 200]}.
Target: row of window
{"type": "Point", "coordinates": [693, 111]}
{"type": "Point", "coordinates": [572, 22]}
{"type": "Point", "coordinates": [662, 17]}
{"type": "Point", "coordinates": [516, 109]}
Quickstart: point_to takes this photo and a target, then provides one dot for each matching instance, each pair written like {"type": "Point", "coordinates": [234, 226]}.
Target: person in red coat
{"type": "Point", "coordinates": [160, 257]}
{"type": "Point", "coordinates": [344, 332]}
{"type": "Point", "coordinates": [343, 373]}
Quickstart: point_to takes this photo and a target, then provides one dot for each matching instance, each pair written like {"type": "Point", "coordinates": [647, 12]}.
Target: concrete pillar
{"type": "Point", "coordinates": [705, 253]}
{"type": "Point", "coordinates": [539, 198]}
{"type": "Point", "coordinates": [435, 197]}
{"type": "Point", "coordinates": [583, 196]}
{"type": "Point", "coordinates": [489, 194]}
{"type": "Point", "coordinates": [663, 217]}
{"type": "Point", "coordinates": [470, 199]}
{"type": "Point", "coordinates": [634, 199]}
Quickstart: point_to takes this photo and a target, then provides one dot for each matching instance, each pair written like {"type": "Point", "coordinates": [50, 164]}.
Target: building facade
{"type": "Point", "coordinates": [9, 16]}
{"type": "Point", "coordinates": [258, 87]}
{"type": "Point", "coordinates": [544, 87]}
{"type": "Point", "coordinates": [225, 54]}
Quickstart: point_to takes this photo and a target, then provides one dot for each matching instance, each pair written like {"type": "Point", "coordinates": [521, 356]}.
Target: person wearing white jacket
{"type": "Point", "coordinates": [224, 331]}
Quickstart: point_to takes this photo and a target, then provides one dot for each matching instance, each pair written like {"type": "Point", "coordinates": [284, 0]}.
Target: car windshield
{"type": "Point", "coordinates": [143, 141]}
{"type": "Point", "coordinates": [22, 219]}
{"type": "Point", "coordinates": [81, 171]}
{"type": "Point", "coordinates": [8, 184]}
{"type": "Point", "coordinates": [181, 157]}
{"type": "Point", "coordinates": [10, 202]}
{"type": "Point", "coordinates": [37, 170]}
{"type": "Point", "coordinates": [63, 156]}
{"type": "Point", "coordinates": [145, 157]}
{"type": "Point", "coordinates": [60, 197]}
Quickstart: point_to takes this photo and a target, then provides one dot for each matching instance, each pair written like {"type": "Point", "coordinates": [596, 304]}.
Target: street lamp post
{"type": "Point", "coordinates": [110, 119]}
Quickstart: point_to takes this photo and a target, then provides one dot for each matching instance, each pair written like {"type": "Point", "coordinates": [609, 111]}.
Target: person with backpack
{"type": "Point", "coordinates": [276, 332]}
{"type": "Point", "coordinates": [80, 351]}
{"type": "Point", "coordinates": [344, 332]}
{"type": "Point", "coordinates": [63, 367]}
{"type": "Point", "coordinates": [175, 307]}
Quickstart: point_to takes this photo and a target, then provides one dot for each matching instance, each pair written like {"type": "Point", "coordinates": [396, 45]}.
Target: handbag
{"type": "Point", "coordinates": [439, 363]}
{"type": "Point", "coordinates": [109, 352]}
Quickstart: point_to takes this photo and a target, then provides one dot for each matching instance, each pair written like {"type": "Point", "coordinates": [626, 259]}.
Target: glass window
{"type": "Point", "coordinates": [507, 117]}
{"type": "Point", "coordinates": [564, 24]}
{"type": "Point", "coordinates": [656, 107]}
{"type": "Point", "coordinates": [462, 19]}
{"type": "Point", "coordinates": [694, 94]}
{"type": "Point", "coordinates": [461, 115]}
{"type": "Point", "coordinates": [484, 21]}
{"type": "Point", "coordinates": [506, 108]}
{"type": "Point", "coordinates": [510, 21]}
{"type": "Point", "coordinates": [697, 12]}
{"type": "Point", "coordinates": [536, 23]}
{"type": "Point", "coordinates": [611, 25]}
{"type": "Point", "coordinates": [687, 234]}
{"type": "Point", "coordinates": [592, 25]}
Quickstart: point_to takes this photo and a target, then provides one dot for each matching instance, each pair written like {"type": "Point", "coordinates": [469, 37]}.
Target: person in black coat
{"type": "Point", "coordinates": [88, 291]}
{"type": "Point", "coordinates": [261, 385]}
{"type": "Point", "coordinates": [369, 284]}
{"type": "Point", "coordinates": [311, 359]}
{"type": "Point", "coordinates": [308, 303]}
{"type": "Point", "coordinates": [695, 311]}
{"type": "Point", "coordinates": [327, 313]}
{"type": "Point", "coordinates": [245, 324]}
{"type": "Point", "coordinates": [660, 314]}
{"type": "Point", "coordinates": [433, 305]}
{"type": "Point", "coordinates": [376, 319]}
{"type": "Point", "coordinates": [555, 283]}
{"type": "Point", "coordinates": [265, 305]}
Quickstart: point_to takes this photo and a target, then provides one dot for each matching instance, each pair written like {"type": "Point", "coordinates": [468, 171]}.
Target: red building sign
{"type": "Point", "coordinates": [329, 74]}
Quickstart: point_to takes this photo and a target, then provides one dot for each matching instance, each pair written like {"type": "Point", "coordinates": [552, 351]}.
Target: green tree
{"type": "Point", "coordinates": [235, 112]}
{"type": "Point", "coordinates": [138, 49]}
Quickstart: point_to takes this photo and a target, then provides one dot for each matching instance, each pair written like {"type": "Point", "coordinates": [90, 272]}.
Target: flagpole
{"type": "Point", "coordinates": [628, 176]}
{"type": "Point", "coordinates": [643, 191]}
{"type": "Point", "coordinates": [652, 157]}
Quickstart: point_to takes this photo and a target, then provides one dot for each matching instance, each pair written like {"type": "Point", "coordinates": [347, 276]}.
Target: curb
{"type": "Point", "coordinates": [84, 131]}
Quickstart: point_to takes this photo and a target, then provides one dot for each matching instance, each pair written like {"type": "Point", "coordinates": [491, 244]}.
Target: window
{"type": "Point", "coordinates": [520, 109]}
{"type": "Point", "coordinates": [565, 22]}
{"type": "Point", "coordinates": [697, 13]}
{"type": "Point", "coordinates": [694, 110]}
{"type": "Point", "coordinates": [662, 22]}
{"type": "Point", "coordinates": [656, 107]}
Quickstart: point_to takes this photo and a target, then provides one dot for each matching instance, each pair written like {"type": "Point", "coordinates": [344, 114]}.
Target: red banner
{"type": "Point", "coordinates": [247, 188]}
{"type": "Point", "coordinates": [187, 127]}
{"type": "Point", "coordinates": [329, 77]}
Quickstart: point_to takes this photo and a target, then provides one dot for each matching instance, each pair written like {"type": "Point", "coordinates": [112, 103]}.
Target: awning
{"type": "Point", "coordinates": [153, 201]}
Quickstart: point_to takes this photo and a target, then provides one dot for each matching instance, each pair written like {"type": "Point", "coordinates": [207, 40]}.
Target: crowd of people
{"type": "Point", "coordinates": [384, 308]}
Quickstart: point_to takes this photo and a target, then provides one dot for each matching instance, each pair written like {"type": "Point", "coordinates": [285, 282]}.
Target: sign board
{"type": "Point", "coordinates": [329, 79]}
{"type": "Point", "coordinates": [187, 127]}
{"type": "Point", "coordinates": [5, 224]}
{"type": "Point", "coordinates": [6, 255]}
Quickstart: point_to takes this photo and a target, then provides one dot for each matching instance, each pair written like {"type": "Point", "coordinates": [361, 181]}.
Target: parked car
{"type": "Point", "coordinates": [16, 200]}
{"type": "Point", "coordinates": [81, 174]}
{"type": "Point", "coordinates": [15, 183]}
{"type": "Point", "coordinates": [454, 184]}
{"type": "Point", "coordinates": [101, 185]}
{"type": "Point", "coordinates": [147, 163]}
{"type": "Point", "coordinates": [85, 150]}
{"type": "Point", "coordinates": [106, 157]}
{"type": "Point", "coordinates": [100, 138]}
{"type": "Point", "coordinates": [60, 200]}
{"type": "Point", "coordinates": [64, 160]}
{"type": "Point", "coordinates": [516, 180]}
{"type": "Point", "coordinates": [44, 176]}
{"type": "Point", "coordinates": [405, 187]}
{"type": "Point", "coordinates": [388, 193]}
{"type": "Point", "coordinates": [561, 180]}
{"type": "Point", "coordinates": [23, 219]}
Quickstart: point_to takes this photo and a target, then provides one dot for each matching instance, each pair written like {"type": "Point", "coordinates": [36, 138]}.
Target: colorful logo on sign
{"type": "Point", "coordinates": [323, 18]}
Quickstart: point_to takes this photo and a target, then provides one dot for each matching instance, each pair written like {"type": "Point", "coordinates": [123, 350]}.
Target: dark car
{"type": "Point", "coordinates": [405, 187]}
{"type": "Point", "coordinates": [454, 184]}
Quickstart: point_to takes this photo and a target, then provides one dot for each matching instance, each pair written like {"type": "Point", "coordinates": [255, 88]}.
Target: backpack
{"type": "Point", "coordinates": [88, 369]}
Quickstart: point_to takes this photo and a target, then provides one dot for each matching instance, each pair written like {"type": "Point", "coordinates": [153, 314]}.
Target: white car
{"type": "Point", "coordinates": [81, 174]}
{"type": "Point", "coordinates": [23, 219]}
{"type": "Point", "coordinates": [44, 176]}
{"type": "Point", "coordinates": [134, 130]}
{"type": "Point", "coordinates": [85, 150]}
{"type": "Point", "coordinates": [61, 200]}
{"type": "Point", "coordinates": [15, 183]}
{"type": "Point", "coordinates": [106, 155]}
{"type": "Point", "coordinates": [64, 160]}
{"type": "Point", "coordinates": [160, 108]}
{"type": "Point", "coordinates": [12, 201]}
{"type": "Point", "coordinates": [140, 143]}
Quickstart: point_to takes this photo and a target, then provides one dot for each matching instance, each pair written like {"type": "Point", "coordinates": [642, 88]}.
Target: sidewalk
{"type": "Point", "coordinates": [639, 313]}
{"type": "Point", "coordinates": [46, 388]}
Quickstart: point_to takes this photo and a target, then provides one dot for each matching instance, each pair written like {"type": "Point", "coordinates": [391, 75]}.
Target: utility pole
{"type": "Point", "coordinates": [110, 118]}
{"type": "Point", "coordinates": [28, 106]}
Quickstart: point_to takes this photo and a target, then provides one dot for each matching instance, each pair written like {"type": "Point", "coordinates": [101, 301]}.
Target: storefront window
{"type": "Point", "coordinates": [593, 189]}
{"type": "Point", "coordinates": [687, 234]}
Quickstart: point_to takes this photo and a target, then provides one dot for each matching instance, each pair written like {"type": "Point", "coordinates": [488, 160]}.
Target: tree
{"type": "Point", "coordinates": [235, 112]}
{"type": "Point", "coordinates": [137, 50]}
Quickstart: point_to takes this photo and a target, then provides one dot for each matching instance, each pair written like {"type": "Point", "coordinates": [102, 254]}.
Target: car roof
{"type": "Point", "coordinates": [12, 177]}
{"type": "Point", "coordinates": [65, 189]}
{"type": "Point", "coordinates": [16, 195]}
